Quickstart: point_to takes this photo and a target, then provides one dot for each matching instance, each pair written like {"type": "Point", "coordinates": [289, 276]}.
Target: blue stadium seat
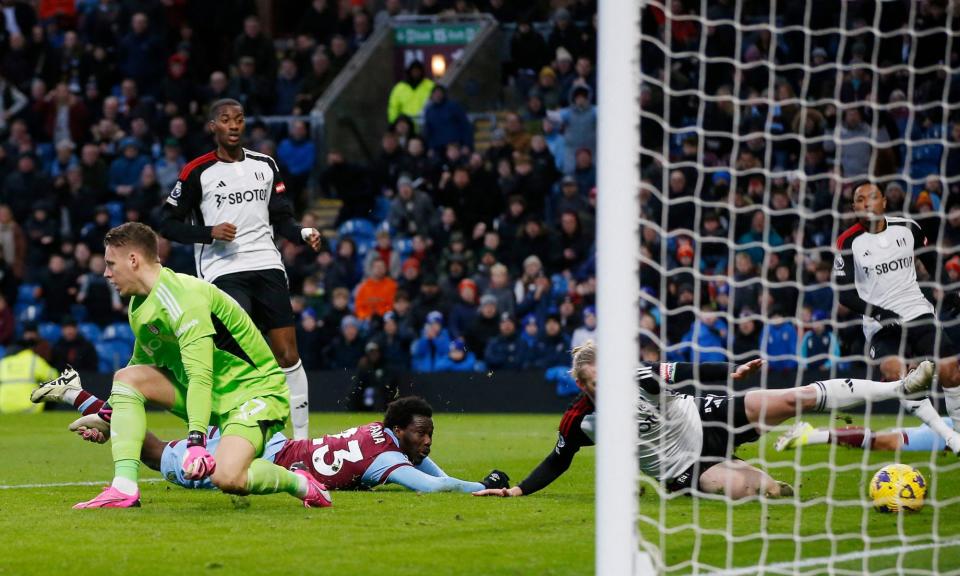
{"type": "Point", "coordinates": [381, 209]}
{"type": "Point", "coordinates": [3, 352]}
{"type": "Point", "coordinates": [49, 331]}
{"type": "Point", "coordinates": [28, 312]}
{"type": "Point", "coordinates": [113, 355]}
{"type": "Point", "coordinates": [119, 331]}
{"type": "Point", "coordinates": [90, 331]}
{"type": "Point", "coordinates": [116, 211]}
{"type": "Point", "coordinates": [25, 294]}
{"type": "Point", "coordinates": [360, 228]}
{"type": "Point", "coordinates": [403, 246]}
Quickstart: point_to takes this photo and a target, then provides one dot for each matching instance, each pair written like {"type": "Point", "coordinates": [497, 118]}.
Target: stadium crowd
{"type": "Point", "coordinates": [445, 257]}
{"type": "Point", "coordinates": [758, 169]}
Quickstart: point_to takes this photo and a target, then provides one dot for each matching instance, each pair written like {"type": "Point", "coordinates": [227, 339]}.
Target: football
{"type": "Point", "coordinates": [897, 487]}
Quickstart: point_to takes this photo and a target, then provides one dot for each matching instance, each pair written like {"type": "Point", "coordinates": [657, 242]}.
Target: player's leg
{"type": "Point", "coordinates": [803, 434]}
{"type": "Point", "coordinates": [273, 312]}
{"type": "Point", "coordinates": [132, 387]}
{"type": "Point", "coordinates": [768, 408]}
{"type": "Point", "coordinates": [924, 438]}
{"type": "Point", "coordinates": [240, 471]}
{"type": "Point", "coordinates": [736, 479]}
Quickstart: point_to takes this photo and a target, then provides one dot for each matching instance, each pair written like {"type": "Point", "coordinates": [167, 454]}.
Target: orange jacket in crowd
{"type": "Point", "coordinates": [375, 297]}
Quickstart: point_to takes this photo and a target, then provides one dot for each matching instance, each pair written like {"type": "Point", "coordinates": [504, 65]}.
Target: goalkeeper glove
{"type": "Point", "coordinates": [496, 479]}
{"type": "Point", "coordinates": [197, 462]}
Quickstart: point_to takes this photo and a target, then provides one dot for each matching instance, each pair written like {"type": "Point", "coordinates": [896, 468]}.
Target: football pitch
{"type": "Point", "coordinates": [45, 470]}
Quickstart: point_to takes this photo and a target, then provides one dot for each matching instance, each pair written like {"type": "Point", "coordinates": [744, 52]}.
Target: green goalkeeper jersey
{"type": "Point", "coordinates": [217, 357]}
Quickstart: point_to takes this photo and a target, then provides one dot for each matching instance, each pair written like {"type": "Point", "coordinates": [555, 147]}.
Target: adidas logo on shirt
{"type": "Point", "coordinates": [222, 184]}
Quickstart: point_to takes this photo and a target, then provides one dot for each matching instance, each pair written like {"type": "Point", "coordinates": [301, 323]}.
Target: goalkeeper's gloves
{"type": "Point", "coordinates": [496, 479]}
{"type": "Point", "coordinates": [197, 462]}
{"type": "Point", "coordinates": [885, 317]}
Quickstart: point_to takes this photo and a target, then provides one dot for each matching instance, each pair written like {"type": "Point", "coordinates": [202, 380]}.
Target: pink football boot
{"type": "Point", "coordinates": [317, 494]}
{"type": "Point", "coordinates": [111, 498]}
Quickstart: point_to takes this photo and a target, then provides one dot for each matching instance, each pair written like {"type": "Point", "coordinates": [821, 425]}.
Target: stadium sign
{"type": "Point", "coordinates": [459, 34]}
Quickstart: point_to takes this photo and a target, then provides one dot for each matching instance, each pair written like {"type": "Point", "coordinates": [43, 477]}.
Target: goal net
{"type": "Point", "coordinates": [731, 140]}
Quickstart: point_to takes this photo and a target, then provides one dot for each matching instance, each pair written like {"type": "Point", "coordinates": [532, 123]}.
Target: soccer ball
{"type": "Point", "coordinates": [897, 487]}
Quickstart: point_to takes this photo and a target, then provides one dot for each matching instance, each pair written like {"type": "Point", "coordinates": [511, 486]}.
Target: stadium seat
{"type": "Point", "coordinates": [381, 208]}
{"type": "Point", "coordinates": [118, 331]}
{"type": "Point", "coordinates": [25, 294]}
{"type": "Point", "coordinates": [360, 228]}
{"type": "Point", "coordinates": [29, 312]}
{"type": "Point", "coordinates": [49, 331]}
{"type": "Point", "coordinates": [116, 211]}
{"type": "Point", "coordinates": [3, 352]}
{"type": "Point", "coordinates": [403, 246]}
{"type": "Point", "coordinates": [113, 355]}
{"type": "Point", "coordinates": [90, 331]}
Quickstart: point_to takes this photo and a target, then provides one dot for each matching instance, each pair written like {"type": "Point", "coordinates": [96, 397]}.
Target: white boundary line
{"type": "Point", "coordinates": [64, 484]}
{"type": "Point", "coordinates": [781, 567]}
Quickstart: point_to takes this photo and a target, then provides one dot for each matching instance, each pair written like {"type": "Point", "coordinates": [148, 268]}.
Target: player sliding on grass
{"type": "Point", "coordinates": [395, 451]}
{"type": "Point", "coordinates": [915, 439]}
{"type": "Point", "coordinates": [688, 443]}
{"type": "Point", "coordinates": [199, 355]}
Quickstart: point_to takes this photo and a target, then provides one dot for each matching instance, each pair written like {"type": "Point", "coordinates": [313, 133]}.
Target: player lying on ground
{"type": "Point", "coordinates": [688, 443]}
{"type": "Point", "coordinates": [916, 439]}
{"type": "Point", "coordinates": [395, 451]}
{"type": "Point", "coordinates": [876, 275]}
{"type": "Point", "coordinates": [199, 355]}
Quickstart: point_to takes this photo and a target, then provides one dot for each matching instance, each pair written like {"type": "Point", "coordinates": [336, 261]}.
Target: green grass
{"type": "Point", "coordinates": [390, 531]}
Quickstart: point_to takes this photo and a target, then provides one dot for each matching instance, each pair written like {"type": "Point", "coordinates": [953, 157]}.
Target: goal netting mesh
{"type": "Point", "coordinates": [757, 119]}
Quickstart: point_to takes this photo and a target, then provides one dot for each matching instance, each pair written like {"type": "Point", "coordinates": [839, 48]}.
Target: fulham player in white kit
{"type": "Point", "coordinates": [875, 269]}
{"type": "Point", "coordinates": [228, 203]}
{"type": "Point", "coordinates": [688, 443]}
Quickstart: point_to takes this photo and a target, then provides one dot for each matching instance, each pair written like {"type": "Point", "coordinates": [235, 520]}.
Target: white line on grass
{"type": "Point", "coordinates": [62, 484]}
{"type": "Point", "coordinates": [785, 567]}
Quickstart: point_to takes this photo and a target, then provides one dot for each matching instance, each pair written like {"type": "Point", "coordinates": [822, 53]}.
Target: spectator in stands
{"type": "Point", "coordinates": [854, 155]}
{"type": "Point", "coordinates": [706, 340]}
{"type": "Point", "coordinates": [507, 350]}
{"type": "Point", "coordinates": [535, 239]}
{"type": "Point", "coordinates": [819, 347]}
{"type": "Point", "coordinates": [485, 325]}
{"type": "Point", "coordinates": [779, 341]}
{"type": "Point", "coordinates": [588, 331]}
{"type": "Point", "coordinates": [361, 30]}
{"type": "Point", "coordinates": [169, 166]}
{"type": "Point", "coordinates": [43, 235]}
{"type": "Point", "coordinates": [411, 211]}
{"type": "Point", "coordinates": [759, 235]}
{"type": "Point", "coordinates": [287, 87]}
{"type": "Point", "coordinates": [383, 249]}
{"type": "Point", "coordinates": [553, 346]}
{"type": "Point", "coordinates": [7, 322]}
{"type": "Point", "coordinates": [516, 133]}
{"type": "Point", "coordinates": [394, 344]}
{"type": "Point", "coordinates": [458, 358]}
{"type": "Point", "coordinates": [445, 122]}
{"type": "Point", "coordinates": [464, 310]}
{"type": "Point", "coordinates": [73, 349]}
{"type": "Point", "coordinates": [125, 169]}
{"type": "Point", "coordinates": [67, 118]}
{"type": "Point", "coordinates": [376, 383]}
{"type": "Point", "coordinates": [499, 287]}
{"type": "Point", "coordinates": [391, 8]}
{"type": "Point", "coordinates": [57, 288]}
{"type": "Point", "coordinates": [141, 54]}
{"type": "Point", "coordinates": [101, 300]}
{"type": "Point", "coordinates": [309, 340]}
{"type": "Point", "coordinates": [528, 55]}
{"type": "Point", "coordinates": [376, 293]}
{"type": "Point", "coordinates": [430, 298]}
{"type": "Point", "coordinates": [252, 89]}
{"type": "Point", "coordinates": [564, 34]}
{"type": "Point", "coordinates": [13, 242]}
{"type": "Point", "coordinates": [252, 42]}
{"type": "Point", "coordinates": [347, 348]}
{"type": "Point", "coordinates": [746, 340]}
{"type": "Point", "coordinates": [409, 95]}
{"type": "Point", "coordinates": [12, 102]}
{"type": "Point", "coordinates": [579, 122]}
{"type": "Point", "coordinates": [586, 76]}
{"type": "Point", "coordinates": [409, 280]}
{"type": "Point", "coordinates": [25, 186]}
{"type": "Point", "coordinates": [92, 233]}
{"type": "Point", "coordinates": [299, 153]}
{"type": "Point", "coordinates": [317, 80]}
{"type": "Point", "coordinates": [431, 347]}
{"type": "Point", "coordinates": [574, 242]}
{"type": "Point", "coordinates": [533, 291]}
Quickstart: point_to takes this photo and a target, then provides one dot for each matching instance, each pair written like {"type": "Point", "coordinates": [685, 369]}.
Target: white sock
{"type": "Point", "coordinates": [70, 396]}
{"type": "Point", "coordinates": [818, 436]}
{"type": "Point", "coordinates": [926, 412]}
{"type": "Point", "coordinates": [951, 397]}
{"type": "Point", "coordinates": [304, 487]}
{"type": "Point", "coordinates": [124, 485]}
{"type": "Point", "coordinates": [299, 401]}
{"type": "Point", "coordinates": [839, 394]}
{"type": "Point", "coordinates": [867, 439]}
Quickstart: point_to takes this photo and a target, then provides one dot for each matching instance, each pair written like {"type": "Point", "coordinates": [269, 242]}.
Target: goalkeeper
{"type": "Point", "coordinates": [688, 443]}
{"type": "Point", "coordinates": [199, 355]}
